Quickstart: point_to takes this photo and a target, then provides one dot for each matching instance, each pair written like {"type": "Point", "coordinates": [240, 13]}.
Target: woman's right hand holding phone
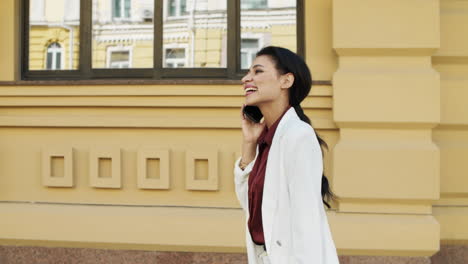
{"type": "Point", "coordinates": [250, 133]}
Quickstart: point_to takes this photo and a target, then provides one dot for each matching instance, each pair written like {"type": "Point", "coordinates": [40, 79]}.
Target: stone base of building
{"type": "Point", "coordinates": [449, 254]}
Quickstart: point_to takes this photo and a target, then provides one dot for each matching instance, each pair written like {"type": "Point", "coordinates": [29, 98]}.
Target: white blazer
{"type": "Point", "coordinates": [295, 224]}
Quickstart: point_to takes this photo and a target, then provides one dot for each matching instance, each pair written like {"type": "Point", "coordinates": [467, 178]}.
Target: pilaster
{"type": "Point", "coordinates": [386, 103]}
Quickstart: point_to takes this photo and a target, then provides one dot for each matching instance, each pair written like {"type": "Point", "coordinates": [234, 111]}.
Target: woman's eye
{"type": "Point", "coordinates": [258, 71]}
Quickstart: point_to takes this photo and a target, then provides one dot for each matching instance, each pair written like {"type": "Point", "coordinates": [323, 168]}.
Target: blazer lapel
{"type": "Point", "coordinates": [272, 174]}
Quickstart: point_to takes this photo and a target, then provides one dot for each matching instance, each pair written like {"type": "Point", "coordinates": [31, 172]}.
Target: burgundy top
{"type": "Point", "coordinates": [256, 180]}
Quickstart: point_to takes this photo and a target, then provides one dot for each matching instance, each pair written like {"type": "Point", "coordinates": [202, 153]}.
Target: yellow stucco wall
{"type": "Point", "coordinates": [394, 119]}
{"type": "Point", "coordinates": [8, 48]}
{"type": "Point", "coordinates": [451, 135]}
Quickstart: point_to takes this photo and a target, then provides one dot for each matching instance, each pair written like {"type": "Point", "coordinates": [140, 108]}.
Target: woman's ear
{"type": "Point", "coordinates": [287, 80]}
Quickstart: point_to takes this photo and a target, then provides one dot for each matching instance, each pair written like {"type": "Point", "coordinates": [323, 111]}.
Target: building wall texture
{"type": "Point", "coordinates": [103, 169]}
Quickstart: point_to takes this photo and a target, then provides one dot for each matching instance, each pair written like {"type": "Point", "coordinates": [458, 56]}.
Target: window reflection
{"type": "Point", "coordinates": [122, 34]}
{"type": "Point", "coordinates": [121, 8]}
{"type": "Point", "coordinates": [253, 4]}
{"type": "Point", "coordinates": [54, 34]}
{"type": "Point", "coordinates": [265, 23]}
{"type": "Point", "coordinates": [119, 57]}
{"type": "Point", "coordinates": [248, 49]}
{"type": "Point", "coordinates": [195, 32]}
{"type": "Point", "coordinates": [177, 8]}
{"type": "Point", "coordinates": [54, 57]}
{"type": "Point", "coordinates": [175, 58]}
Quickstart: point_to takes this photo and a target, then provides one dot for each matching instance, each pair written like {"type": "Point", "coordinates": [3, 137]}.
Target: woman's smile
{"type": "Point", "coordinates": [250, 89]}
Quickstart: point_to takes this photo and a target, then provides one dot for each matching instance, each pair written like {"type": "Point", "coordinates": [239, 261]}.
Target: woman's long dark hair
{"type": "Point", "coordinates": [289, 62]}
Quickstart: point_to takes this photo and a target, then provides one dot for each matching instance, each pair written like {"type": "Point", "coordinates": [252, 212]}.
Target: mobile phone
{"type": "Point", "coordinates": [253, 113]}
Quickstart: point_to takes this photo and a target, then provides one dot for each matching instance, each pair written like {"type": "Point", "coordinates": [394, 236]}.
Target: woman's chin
{"type": "Point", "coordinates": [249, 101]}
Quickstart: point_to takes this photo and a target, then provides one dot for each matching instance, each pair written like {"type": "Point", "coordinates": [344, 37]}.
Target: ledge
{"type": "Point", "coordinates": [201, 229]}
{"type": "Point", "coordinates": [136, 122]}
{"type": "Point", "coordinates": [134, 82]}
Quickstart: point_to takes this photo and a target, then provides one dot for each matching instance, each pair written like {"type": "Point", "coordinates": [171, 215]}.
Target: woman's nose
{"type": "Point", "coordinates": [246, 78]}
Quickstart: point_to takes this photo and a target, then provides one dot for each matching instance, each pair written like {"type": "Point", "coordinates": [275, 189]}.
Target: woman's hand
{"type": "Point", "coordinates": [250, 130]}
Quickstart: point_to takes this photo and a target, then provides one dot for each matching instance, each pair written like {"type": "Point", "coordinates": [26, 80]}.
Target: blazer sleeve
{"type": "Point", "coordinates": [241, 182]}
{"type": "Point", "coordinates": [304, 174]}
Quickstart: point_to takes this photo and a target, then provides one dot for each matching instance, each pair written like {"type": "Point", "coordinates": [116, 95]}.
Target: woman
{"type": "Point", "coordinates": [279, 180]}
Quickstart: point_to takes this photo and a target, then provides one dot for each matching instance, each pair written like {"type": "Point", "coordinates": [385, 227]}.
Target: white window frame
{"type": "Point", "coordinates": [118, 49]}
{"type": "Point", "coordinates": [248, 35]}
{"type": "Point", "coordinates": [54, 56]}
{"type": "Point", "coordinates": [176, 46]}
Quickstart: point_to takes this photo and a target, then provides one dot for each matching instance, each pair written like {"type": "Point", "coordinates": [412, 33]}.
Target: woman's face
{"type": "Point", "coordinates": [262, 84]}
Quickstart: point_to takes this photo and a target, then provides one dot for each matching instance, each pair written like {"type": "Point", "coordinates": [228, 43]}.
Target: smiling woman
{"type": "Point", "coordinates": [394, 117]}
{"type": "Point", "coordinates": [279, 177]}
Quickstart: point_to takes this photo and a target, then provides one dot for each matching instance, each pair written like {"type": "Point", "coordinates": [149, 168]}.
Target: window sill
{"type": "Point", "coordinates": [118, 82]}
{"type": "Point", "coordinates": [134, 82]}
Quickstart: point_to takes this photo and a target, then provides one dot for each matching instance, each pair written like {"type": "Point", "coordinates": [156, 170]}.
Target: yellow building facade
{"type": "Point", "coordinates": [121, 165]}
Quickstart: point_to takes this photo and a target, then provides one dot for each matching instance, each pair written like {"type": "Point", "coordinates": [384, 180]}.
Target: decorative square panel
{"type": "Point", "coordinates": [104, 168]}
{"type": "Point", "coordinates": [201, 170]}
{"type": "Point", "coordinates": [57, 167]}
{"type": "Point", "coordinates": [153, 168]}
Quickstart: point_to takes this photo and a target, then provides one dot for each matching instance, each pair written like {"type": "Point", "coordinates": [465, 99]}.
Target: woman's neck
{"type": "Point", "coordinates": [272, 111]}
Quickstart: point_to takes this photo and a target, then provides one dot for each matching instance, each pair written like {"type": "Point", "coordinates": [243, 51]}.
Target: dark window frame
{"type": "Point", "coordinates": [85, 71]}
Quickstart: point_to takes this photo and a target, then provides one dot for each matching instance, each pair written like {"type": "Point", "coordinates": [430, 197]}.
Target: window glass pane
{"type": "Point", "coordinates": [183, 7]}
{"type": "Point", "coordinates": [252, 4]}
{"type": "Point", "coordinates": [172, 7]}
{"type": "Point", "coordinates": [133, 34]}
{"type": "Point", "coordinates": [127, 8]}
{"type": "Point", "coordinates": [54, 21]}
{"type": "Point", "coordinates": [175, 53]}
{"type": "Point", "coordinates": [269, 23]}
{"type": "Point", "coordinates": [174, 58]}
{"type": "Point", "coordinates": [201, 34]}
{"type": "Point", "coordinates": [119, 56]}
{"type": "Point", "coordinates": [49, 60]}
{"type": "Point", "coordinates": [248, 49]}
{"type": "Point", "coordinates": [117, 8]}
{"type": "Point", "coordinates": [249, 44]}
{"type": "Point", "coordinates": [57, 61]}
{"type": "Point", "coordinates": [244, 61]}
{"type": "Point", "coordinates": [119, 59]}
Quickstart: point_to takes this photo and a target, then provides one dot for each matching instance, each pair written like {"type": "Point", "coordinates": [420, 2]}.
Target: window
{"type": "Point", "coordinates": [177, 8]}
{"type": "Point", "coordinates": [175, 58]}
{"type": "Point", "coordinates": [121, 8]}
{"type": "Point", "coordinates": [54, 57]}
{"type": "Point", "coordinates": [261, 27]}
{"type": "Point", "coordinates": [248, 49]}
{"type": "Point", "coordinates": [52, 37]}
{"type": "Point", "coordinates": [153, 39]}
{"type": "Point", "coordinates": [119, 57]}
{"type": "Point", "coordinates": [110, 34]}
